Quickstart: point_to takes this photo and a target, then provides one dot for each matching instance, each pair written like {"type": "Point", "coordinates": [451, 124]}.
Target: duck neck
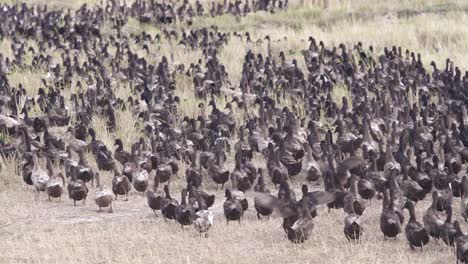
{"type": "Point", "coordinates": [35, 162]}
{"type": "Point", "coordinates": [389, 153]}
{"type": "Point", "coordinates": [166, 191]}
{"type": "Point", "coordinates": [119, 147]}
{"type": "Point", "coordinates": [27, 140]}
{"type": "Point", "coordinates": [385, 198]}
{"type": "Point", "coordinates": [373, 164]}
{"type": "Point", "coordinates": [92, 134]}
{"type": "Point", "coordinates": [220, 157]}
{"type": "Point", "coordinates": [411, 212]}
{"type": "Point", "coordinates": [434, 201]}
{"type": "Point", "coordinates": [465, 186]}
{"type": "Point", "coordinates": [98, 179]}
{"type": "Point", "coordinates": [228, 195]}
{"type": "Point", "coordinates": [184, 197]}
{"type": "Point", "coordinates": [49, 167]}
{"type": "Point", "coordinates": [449, 215]}
{"type": "Point", "coordinates": [133, 154]}
{"type": "Point", "coordinates": [156, 183]}
{"type": "Point", "coordinates": [82, 160]}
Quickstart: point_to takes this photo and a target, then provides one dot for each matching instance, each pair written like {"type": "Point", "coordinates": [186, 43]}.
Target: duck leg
{"type": "Point", "coordinates": [111, 210]}
{"type": "Point", "coordinates": [74, 202]}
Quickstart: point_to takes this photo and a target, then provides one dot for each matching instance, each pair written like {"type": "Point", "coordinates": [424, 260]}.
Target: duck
{"type": "Point", "coordinates": [120, 154]}
{"type": "Point", "coordinates": [69, 161]}
{"type": "Point", "coordinates": [194, 193]}
{"type": "Point", "coordinates": [164, 172]}
{"type": "Point", "coordinates": [85, 173]}
{"type": "Point", "coordinates": [447, 230]}
{"type": "Point", "coordinates": [102, 194]}
{"type": "Point", "coordinates": [276, 169]}
{"type": "Point", "coordinates": [104, 159]}
{"type": "Point", "coordinates": [184, 213]}
{"type": "Point", "coordinates": [206, 156]}
{"type": "Point", "coordinates": [74, 143]}
{"type": "Point", "coordinates": [310, 166]}
{"type": "Point", "coordinates": [77, 189]}
{"type": "Point", "coordinates": [353, 199]}
{"type": "Point", "coordinates": [155, 197]}
{"type": "Point", "coordinates": [239, 177]}
{"type": "Point", "coordinates": [352, 226]}
{"type": "Point", "coordinates": [377, 178]}
{"type": "Point", "coordinates": [291, 155]}
{"type": "Point", "coordinates": [120, 184]}
{"type": "Point", "coordinates": [131, 165]}
{"type": "Point", "coordinates": [455, 181]}
{"type": "Point", "coordinates": [415, 232]}
{"type": "Point", "coordinates": [54, 186]}
{"type": "Point", "coordinates": [39, 176]}
{"type": "Point", "coordinates": [390, 223]}
{"type": "Point", "coordinates": [240, 196]}
{"type": "Point", "coordinates": [169, 205]}
{"type": "Point", "coordinates": [417, 174]}
{"type": "Point", "coordinates": [390, 164]}
{"type": "Point", "coordinates": [306, 193]}
{"type": "Point", "coordinates": [332, 186]}
{"type": "Point", "coordinates": [432, 221]}
{"type": "Point", "coordinates": [216, 168]}
{"type": "Point", "coordinates": [461, 243]}
{"type": "Point", "coordinates": [97, 145]}
{"type": "Point", "coordinates": [445, 197]}
{"type": "Point", "coordinates": [140, 178]}
{"type": "Point", "coordinates": [464, 199]}
{"type": "Point", "coordinates": [27, 163]}
{"type": "Point", "coordinates": [345, 140]}
{"type": "Point", "coordinates": [303, 226]}
{"type": "Point", "coordinates": [366, 188]}
{"type": "Point", "coordinates": [242, 148]}
{"type": "Point", "coordinates": [232, 207]}
{"type": "Point", "coordinates": [261, 188]}
{"type": "Point", "coordinates": [410, 188]}
{"type": "Point", "coordinates": [203, 218]}
{"type": "Point", "coordinates": [193, 174]}
{"type": "Point", "coordinates": [290, 209]}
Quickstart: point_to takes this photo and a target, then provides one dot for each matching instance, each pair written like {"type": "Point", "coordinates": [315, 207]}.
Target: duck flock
{"type": "Point", "coordinates": [399, 136]}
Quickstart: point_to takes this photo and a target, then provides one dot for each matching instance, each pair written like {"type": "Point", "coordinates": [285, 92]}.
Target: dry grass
{"type": "Point", "coordinates": [55, 232]}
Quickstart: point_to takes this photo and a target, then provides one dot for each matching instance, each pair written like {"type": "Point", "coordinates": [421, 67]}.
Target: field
{"type": "Point", "coordinates": [40, 231]}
